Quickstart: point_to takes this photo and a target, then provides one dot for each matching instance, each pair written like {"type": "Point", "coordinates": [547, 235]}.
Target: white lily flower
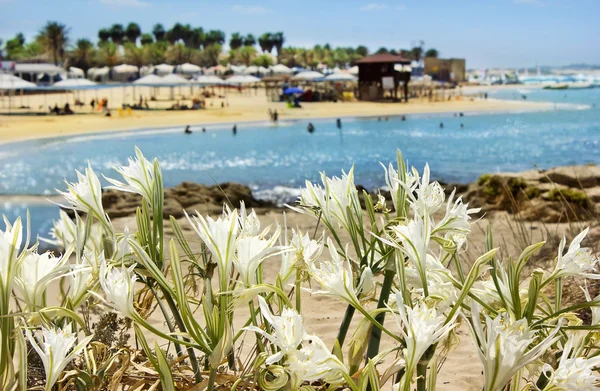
{"type": "Point", "coordinates": [457, 216]}
{"type": "Point", "coordinates": [312, 196]}
{"type": "Point", "coordinates": [305, 357]}
{"type": "Point", "coordinates": [307, 249]}
{"type": "Point", "coordinates": [56, 350]}
{"type": "Point", "coordinates": [220, 238]}
{"type": "Point", "coordinates": [138, 175]}
{"type": "Point", "coordinates": [85, 195]}
{"type": "Point", "coordinates": [119, 287]}
{"type": "Point", "coordinates": [429, 197]}
{"type": "Point", "coordinates": [335, 276]}
{"type": "Point", "coordinates": [595, 309]}
{"type": "Point", "coordinates": [314, 362]}
{"type": "Point", "coordinates": [63, 232]}
{"type": "Point", "coordinates": [421, 327]}
{"type": "Point", "coordinates": [251, 251]}
{"type": "Point", "coordinates": [35, 273]}
{"type": "Point", "coordinates": [504, 346]}
{"type": "Point", "coordinates": [575, 372]}
{"type": "Point", "coordinates": [288, 330]}
{"type": "Point", "coordinates": [10, 244]}
{"type": "Point", "coordinates": [366, 285]}
{"type": "Point", "coordinates": [123, 248]}
{"type": "Point", "coordinates": [341, 194]}
{"type": "Point", "coordinates": [82, 279]}
{"type": "Point", "coordinates": [578, 261]}
{"type": "Point", "coordinates": [249, 222]}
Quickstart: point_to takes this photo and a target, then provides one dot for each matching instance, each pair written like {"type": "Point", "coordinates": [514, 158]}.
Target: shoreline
{"type": "Point", "coordinates": [241, 110]}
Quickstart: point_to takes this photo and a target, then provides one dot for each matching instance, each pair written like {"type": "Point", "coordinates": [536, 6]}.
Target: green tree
{"type": "Point", "coordinates": [159, 32]}
{"type": "Point", "coordinates": [432, 53]}
{"type": "Point", "coordinates": [264, 60]}
{"type": "Point", "coordinates": [245, 55]}
{"type": "Point", "coordinates": [382, 50]}
{"type": "Point", "coordinates": [341, 57]}
{"type": "Point", "coordinates": [406, 53]}
{"type": "Point", "coordinates": [265, 41]}
{"type": "Point", "coordinates": [135, 55]}
{"type": "Point", "coordinates": [278, 39]}
{"type": "Point", "coordinates": [117, 33]}
{"type": "Point", "coordinates": [15, 47]}
{"type": "Point", "coordinates": [235, 41]}
{"type": "Point", "coordinates": [82, 54]}
{"type": "Point", "coordinates": [215, 37]}
{"type": "Point", "coordinates": [197, 37]}
{"type": "Point", "coordinates": [187, 35]}
{"type": "Point", "coordinates": [212, 53]}
{"type": "Point", "coordinates": [146, 39]}
{"type": "Point", "coordinates": [176, 33]}
{"type": "Point", "coordinates": [249, 40]}
{"type": "Point", "coordinates": [53, 38]}
{"type": "Point", "coordinates": [289, 56]}
{"type": "Point", "coordinates": [362, 51]}
{"type": "Point", "coordinates": [177, 54]}
{"type": "Point", "coordinates": [133, 32]}
{"type": "Point", "coordinates": [156, 52]}
{"type": "Point", "coordinates": [103, 35]}
{"type": "Point", "coordinates": [416, 53]}
{"type": "Point", "coordinates": [107, 54]}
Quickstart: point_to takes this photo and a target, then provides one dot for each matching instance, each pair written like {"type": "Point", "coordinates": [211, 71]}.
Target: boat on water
{"type": "Point", "coordinates": [557, 87]}
{"type": "Point", "coordinates": [570, 86]}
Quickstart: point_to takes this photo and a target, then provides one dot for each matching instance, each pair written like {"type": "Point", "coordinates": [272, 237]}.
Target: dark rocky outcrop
{"type": "Point", "coordinates": [187, 196]}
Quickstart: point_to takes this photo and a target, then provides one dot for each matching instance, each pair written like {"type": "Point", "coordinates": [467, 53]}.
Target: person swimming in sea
{"type": "Point", "coordinates": [187, 130]}
{"type": "Point", "coordinates": [234, 130]}
{"type": "Point", "coordinates": [310, 127]}
{"type": "Point", "coordinates": [441, 125]}
{"type": "Point", "coordinates": [462, 126]}
{"type": "Point", "coordinates": [203, 130]}
{"type": "Point", "coordinates": [403, 118]}
{"type": "Point", "coordinates": [338, 123]}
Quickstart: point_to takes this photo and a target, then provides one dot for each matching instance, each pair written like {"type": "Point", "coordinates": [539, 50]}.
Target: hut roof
{"type": "Point", "coordinates": [383, 58]}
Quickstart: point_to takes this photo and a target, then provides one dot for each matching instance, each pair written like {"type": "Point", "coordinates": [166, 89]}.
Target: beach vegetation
{"type": "Point", "coordinates": [54, 38]}
{"type": "Point", "coordinates": [401, 272]}
{"type": "Point", "coordinates": [573, 196]}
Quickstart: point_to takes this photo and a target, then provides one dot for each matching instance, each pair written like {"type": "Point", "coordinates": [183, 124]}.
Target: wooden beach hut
{"type": "Point", "coordinates": [379, 80]}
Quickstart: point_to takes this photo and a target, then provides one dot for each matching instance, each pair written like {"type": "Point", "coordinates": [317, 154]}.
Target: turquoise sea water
{"type": "Point", "coordinates": [275, 160]}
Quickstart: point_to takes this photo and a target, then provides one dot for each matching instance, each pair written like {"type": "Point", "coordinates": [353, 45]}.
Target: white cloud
{"type": "Point", "coordinates": [249, 10]}
{"type": "Point", "coordinates": [125, 3]}
{"type": "Point", "coordinates": [374, 7]}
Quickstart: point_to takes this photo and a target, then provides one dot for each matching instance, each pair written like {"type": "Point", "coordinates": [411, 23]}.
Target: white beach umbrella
{"type": "Point", "coordinates": [281, 69]}
{"type": "Point", "coordinates": [208, 80]}
{"type": "Point", "coordinates": [149, 80]}
{"type": "Point", "coordinates": [146, 70]}
{"type": "Point", "coordinates": [163, 69]}
{"type": "Point", "coordinates": [242, 79]}
{"type": "Point", "coordinates": [254, 70]}
{"type": "Point", "coordinates": [341, 77]}
{"type": "Point", "coordinates": [174, 79]}
{"type": "Point", "coordinates": [238, 69]}
{"type": "Point", "coordinates": [11, 82]}
{"type": "Point", "coordinates": [124, 69]}
{"type": "Point", "coordinates": [353, 70]}
{"type": "Point", "coordinates": [309, 76]}
{"type": "Point", "coordinates": [188, 69]}
{"type": "Point", "coordinates": [75, 73]}
{"type": "Point", "coordinates": [69, 83]}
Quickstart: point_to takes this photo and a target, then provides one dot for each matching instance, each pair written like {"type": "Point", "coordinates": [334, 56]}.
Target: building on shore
{"type": "Point", "coordinates": [379, 77]}
{"type": "Point", "coordinates": [39, 73]}
{"type": "Point", "coordinates": [446, 70]}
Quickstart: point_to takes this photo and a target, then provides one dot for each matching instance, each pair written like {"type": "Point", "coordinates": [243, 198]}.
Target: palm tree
{"type": "Point", "coordinates": [156, 52]}
{"type": "Point", "coordinates": [175, 34]}
{"type": "Point", "coordinates": [246, 54]}
{"type": "Point", "coordinates": [108, 54]}
{"type": "Point", "coordinates": [146, 39]}
{"type": "Point", "coordinates": [236, 41]}
{"type": "Point", "coordinates": [289, 56]}
{"type": "Point", "coordinates": [265, 41]}
{"type": "Point", "coordinates": [197, 37]}
{"type": "Point", "coordinates": [177, 54]}
{"type": "Point", "coordinates": [187, 35]}
{"type": "Point", "coordinates": [264, 60]}
{"type": "Point", "coordinates": [53, 38]}
{"type": "Point", "coordinates": [15, 46]}
{"type": "Point", "coordinates": [432, 53]}
{"type": "Point", "coordinates": [278, 39]}
{"type": "Point", "coordinates": [133, 32]}
{"type": "Point", "coordinates": [135, 55]}
{"type": "Point", "coordinates": [117, 33]}
{"type": "Point", "coordinates": [159, 32]}
{"type": "Point", "coordinates": [212, 53]}
{"type": "Point", "coordinates": [215, 37]}
{"type": "Point", "coordinates": [82, 54]}
{"type": "Point", "coordinates": [104, 35]}
{"type": "Point", "coordinates": [249, 40]}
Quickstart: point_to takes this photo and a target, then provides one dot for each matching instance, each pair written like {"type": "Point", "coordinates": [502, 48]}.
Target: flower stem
{"type": "Point", "coordinates": [375, 338]}
{"type": "Point", "coordinates": [261, 346]}
{"type": "Point", "coordinates": [345, 325]}
{"type": "Point", "coordinates": [211, 379]}
{"type": "Point", "coordinates": [297, 292]}
{"type": "Point", "coordinates": [422, 375]}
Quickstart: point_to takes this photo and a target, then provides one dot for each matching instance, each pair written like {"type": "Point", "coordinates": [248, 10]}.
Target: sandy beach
{"type": "Point", "coordinates": [251, 105]}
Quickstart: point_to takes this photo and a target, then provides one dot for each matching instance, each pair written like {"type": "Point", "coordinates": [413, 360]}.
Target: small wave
{"type": "Point", "coordinates": [279, 195]}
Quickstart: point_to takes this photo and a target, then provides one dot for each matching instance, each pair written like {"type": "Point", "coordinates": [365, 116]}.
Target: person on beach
{"type": "Point", "coordinates": [338, 123]}
{"type": "Point", "coordinates": [275, 116]}
{"type": "Point", "coordinates": [234, 130]}
{"type": "Point", "coordinates": [310, 127]}
{"type": "Point", "coordinates": [187, 130]}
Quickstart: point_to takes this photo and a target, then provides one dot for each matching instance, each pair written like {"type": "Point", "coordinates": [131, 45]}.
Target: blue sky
{"type": "Point", "coordinates": [488, 33]}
